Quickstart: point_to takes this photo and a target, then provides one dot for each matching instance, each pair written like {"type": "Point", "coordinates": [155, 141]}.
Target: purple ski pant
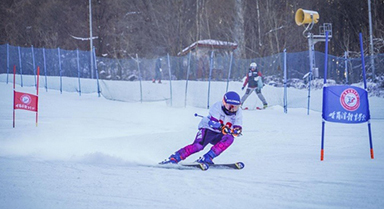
{"type": "Point", "coordinates": [204, 137]}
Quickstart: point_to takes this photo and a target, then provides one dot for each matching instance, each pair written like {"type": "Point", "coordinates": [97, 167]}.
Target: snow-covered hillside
{"type": "Point", "coordinates": [91, 152]}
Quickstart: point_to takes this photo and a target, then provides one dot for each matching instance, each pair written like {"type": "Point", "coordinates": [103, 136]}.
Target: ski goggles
{"type": "Point", "coordinates": [231, 107]}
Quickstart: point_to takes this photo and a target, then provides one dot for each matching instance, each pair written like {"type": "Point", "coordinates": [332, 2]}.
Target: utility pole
{"type": "Point", "coordinates": [371, 41]}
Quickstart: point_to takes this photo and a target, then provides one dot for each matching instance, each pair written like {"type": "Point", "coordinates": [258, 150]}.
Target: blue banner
{"type": "Point", "coordinates": [345, 104]}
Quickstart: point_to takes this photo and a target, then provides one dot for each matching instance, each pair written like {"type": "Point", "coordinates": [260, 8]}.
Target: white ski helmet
{"type": "Point", "coordinates": [253, 65]}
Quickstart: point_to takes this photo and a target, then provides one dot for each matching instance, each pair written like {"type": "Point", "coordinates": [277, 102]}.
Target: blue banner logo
{"type": "Point", "coordinates": [350, 99]}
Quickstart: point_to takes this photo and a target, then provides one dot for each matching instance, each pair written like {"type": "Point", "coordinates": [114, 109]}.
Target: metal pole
{"type": "Point", "coordinates": [186, 83]}
{"type": "Point", "coordinates": [229, 71]}
{"type": "Point", "coordinates": [346, 66]}
{"type": "Point", "coordinates": [78, 70]}
{"type": "Point", "coordinates": [326, 59]}
{"type": "Point", "coordinates": [7, 61]}
{"type": "Point", "coordinates": [90, 37]}
{"type": "Point", "coordinates": [209, 79]}
{"type": "Point", "coordinates": [45, 71]}
{"type": "Point", "coordinates": [363, 60]}
{"type": "Point", "coordinates": [371, 41]}
{"type": "Point", "coordinates": [21, 68]}
{"type": "Point", "coordinates": [61, 79]}
{"type": "Point", "coordinates": [33, 64]}
{"type": "Point", "coordinates": [285, 82]}
{"type": "Point", "coordinates": [14, 87]}
{"type": "Point", "coordinates": [311, 64]}
{"type": "Point", "coordinates": [97, 72]}
{"type": "Point", "coordinates": [170, 78]}
{"type": "Point", "coordinates": [37, 93]}
{"type": "Point", "coordinates": [141, 87]}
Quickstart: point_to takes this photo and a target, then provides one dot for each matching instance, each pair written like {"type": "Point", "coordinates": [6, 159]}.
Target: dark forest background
{"type": "Point", "coordinates": [153, 28]}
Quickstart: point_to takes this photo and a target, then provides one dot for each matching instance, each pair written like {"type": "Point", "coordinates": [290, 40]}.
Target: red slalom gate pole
{"type": "Point", "coordinates": [14, 81]}
{"type": "Point", "coordinates": [37, 94]}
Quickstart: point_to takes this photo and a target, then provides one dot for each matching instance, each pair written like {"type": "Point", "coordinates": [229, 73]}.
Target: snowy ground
{"type": "Point", "coordinates": [90, 152]}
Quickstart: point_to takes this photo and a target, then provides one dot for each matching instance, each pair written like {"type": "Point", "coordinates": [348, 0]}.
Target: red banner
{"type": "Point", "coordinates": [25, 101]}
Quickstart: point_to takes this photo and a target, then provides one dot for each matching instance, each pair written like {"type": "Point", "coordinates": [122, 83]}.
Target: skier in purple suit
{"type": "Point", "coordinates": [219, 128]}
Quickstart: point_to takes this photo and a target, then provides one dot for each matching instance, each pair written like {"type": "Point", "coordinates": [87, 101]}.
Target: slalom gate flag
{"type": "Point", "coordinates": [345, 104]}
{"type": "Point", "coordinates": [25, 101]}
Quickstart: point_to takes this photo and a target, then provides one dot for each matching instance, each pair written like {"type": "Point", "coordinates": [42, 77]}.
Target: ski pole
{"type": "Point", "coordinates": [197, 115]}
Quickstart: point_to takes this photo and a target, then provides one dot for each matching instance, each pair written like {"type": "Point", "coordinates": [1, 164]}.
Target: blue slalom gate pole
{"type": "Point", "coordinates": [325, 82]}
{"type": "Point", "coordinates": [365, 87]}
{"type": "Point", "coordinates": [370, 139]}
{"type": "Point", "coordinates": [322, 140]}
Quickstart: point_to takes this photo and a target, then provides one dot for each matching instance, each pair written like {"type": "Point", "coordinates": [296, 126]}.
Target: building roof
{"type": "Point", "coordinates": [209, 43]}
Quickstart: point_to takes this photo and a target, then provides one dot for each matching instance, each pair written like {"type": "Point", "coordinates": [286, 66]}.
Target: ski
{"type": "Point", "coordinates": [202, 166]}
{"type": "Point", "coordinates": [173, 166]}
{"type": "Point", "coordinates": [184, 166]}
{"type": "Point", "coordinates": [237, 165]}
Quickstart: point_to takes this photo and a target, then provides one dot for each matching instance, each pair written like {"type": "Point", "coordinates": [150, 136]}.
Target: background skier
{"type": "Point", "coordinates": [158, 71]}
{"type": "Point", "coordinates": [255, 83]}
{"type": "Point", "coordinates": [223, 123]}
